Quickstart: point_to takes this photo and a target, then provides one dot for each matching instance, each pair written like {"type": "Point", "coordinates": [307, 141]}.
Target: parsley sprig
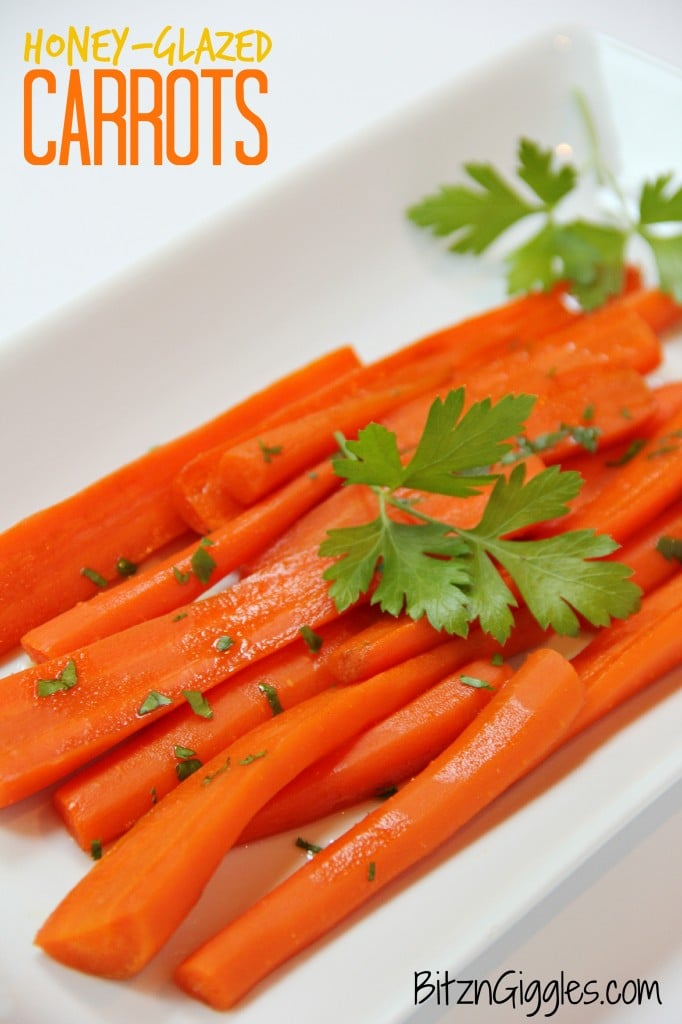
{"type": "Point", "coordinates": [590, 254]}
{"type": "Point", "coordinates": [451, 575]}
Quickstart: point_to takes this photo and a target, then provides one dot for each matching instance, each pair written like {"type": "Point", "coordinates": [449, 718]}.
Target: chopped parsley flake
{"type": "Point", "coordinates": [268, 451]}
{"type": "Point", "coordinates": [181, 577]}
{"type": "Point", "coordinates": [198, 703]}
{"type": "Point", "coordinates": [66, 680]}
{"type": "Point", "coordinates": [497, 658]}
{"type": "Point", "coordinates": [202, 562]}
{"type": "Point", "coordinates": [272, 697]}
{"type": "Point", "coordinates": [212, 775]}
{"type": "Point", "coordinates": [124, 567]}
{"type": "Point", "coordinates": [94, 577]}
{"type": "Point", "coordinates": [632, 449]}
{"type": "Point", "coordinates": [96, 849]}
{"type": "Point", "coordinates": [250, 758]}
{"type": "Point", "coordinates": [477, 684]}
{"type": "Point", "coordinates": [187, 767]}
{"type": "Point", "coordinates": [223, 643]}
{"type": "Point", "coordinates": [153, 701]}
{"type": "Point", "coordinates": [371, 871]}
{"type": "Point", "coordinates": [310, 848]}
{"type": "Point", "coordinates": [311, 639]}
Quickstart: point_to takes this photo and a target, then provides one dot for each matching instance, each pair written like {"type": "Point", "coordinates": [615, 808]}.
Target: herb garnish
{"type": "Point", "coordinates": [250, 758]}
{"type": "Point", "coordinates": [312, 640]}
{"type": "Point", "coordinates": [272, 697]}
{"type": "Point", "coordinates": [66, 680]}
{"type": "Point", "coordinates": [124, 567]}
{"type": "Point", "coordinates": [223, 643]}
{"type": "Point", "coordinates": [632, 449]}
{"type": "Point", "coordinates": [198, 703]}
{"type": "Point", "coordinates": [670, 548]}
{"type": "Point", "coordinates": [94, 577]}
{"type": "Point", "coordinates": [181, 577]}
{"type": "Point", "coordinates": [268, 451]}
{"type": "Point", "coordinates": [590, 254]}
{"type": "Point", "coordinates": [96, 849]}
{"type": "Point", "coordinates": [188, 762]}
{"type": "Point", "coordinates": [310, 848]}
{"type": "Point", "coordinates": [152, 702]}
{"type": "Point", "coordinates": [476, 683]}
{"type": "Point", "coordinates": [451, 575]}
{"type": "Point", "coordinates": [202, 562]}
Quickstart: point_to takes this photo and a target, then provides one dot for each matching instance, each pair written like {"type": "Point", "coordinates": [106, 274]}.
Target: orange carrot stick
{"type": "Point", "coordinates": [105, 692]}
{"type": "Point", "coordinates": [251, 469]}
{"type": "Point", "coordinates": [631, 654]}
{"type": "Point", "coordinates": [387, 754]}
{"type": "Point", "coordinates": [644, 486]}
{"type": "Point", "coordinates": [105, 798]}
{"type": "Point", "coordinates": [613, 337]}
{"type": "Point", "coordinates": [177, 580]}
{"type": "Point", "coordinates": [127, 514]}
{"type": "Point", "coordinates": [507, 738]}
{"type": "Point", "coordinates": [659, 309]}
{"type": "Point", "coordinates": [114, 920]}
{"type": "Point", "coordinates": [645, 551]}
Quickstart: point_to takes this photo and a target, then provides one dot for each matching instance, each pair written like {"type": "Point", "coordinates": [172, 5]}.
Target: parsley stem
{"type": "Point", "coordinates": [602, 172]}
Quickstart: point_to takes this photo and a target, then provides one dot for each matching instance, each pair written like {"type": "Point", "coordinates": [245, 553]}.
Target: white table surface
{"type": "Point", "coordinates": [334, 71]}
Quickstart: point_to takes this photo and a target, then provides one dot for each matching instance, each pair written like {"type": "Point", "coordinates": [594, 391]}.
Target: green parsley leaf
{"type": "Point", "coordinates": [537, 169]}
{"type": "Point", "coordinates": [371, 871]}
{"type": "Point", "coordinates": [181, 577]}
{"type": "Point", "coordinates": [373, 459]}
{"type": "Point", "coordinates": [497, 658]}
{"type": "Point", "coordinates": [312, 640]}
{"type": "Point", "coordinates": [413, 576]}
{"type": "Point", "coordinates": [202, 562]}
{"type": "Point", "coordinates": [65, 680]}
{"type": "Point", "coordinates": [667, 252]}
{"type": "Point", "coordinates": [96, 849]}
{"type": "Point", "coordinates": [590, 254]}
{"type": "Point", "coordinates": [272, 697]}
{"type": "Point", "coordinates": [476, 683]}
{"type": "Point", "coordinates": [152, 702]}
{"type": "Point", "coordinates": [94, 577]}
{"type": "Point", "coordinates": [451, 446]}
{"type": "Point", "coordinates": [657, 203]}
{"type": "Point", "coordinates": [198, 703]}
{"type": "Point", "coordinates": [592, 257]}
{"type": "Point", "coordinates": [670, 547]}
{"type": "Point", "coordinates": [452, 575]}
{"type": "Point", "coordinates": [477, 215]}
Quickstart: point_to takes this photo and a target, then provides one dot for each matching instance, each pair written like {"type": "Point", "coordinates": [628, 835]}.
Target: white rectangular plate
{"type": "Point", "coordinates": [323, 259]}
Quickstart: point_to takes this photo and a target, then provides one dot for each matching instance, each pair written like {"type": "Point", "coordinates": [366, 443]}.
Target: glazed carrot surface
{"type": "Point", "coordinates": [183, 704]}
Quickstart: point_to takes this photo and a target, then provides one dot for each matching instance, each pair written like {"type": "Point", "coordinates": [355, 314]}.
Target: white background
{"type": "Point", "coordinates": [335, 70]}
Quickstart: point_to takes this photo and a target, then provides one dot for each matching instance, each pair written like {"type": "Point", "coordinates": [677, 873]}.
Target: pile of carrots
{"type": "Point", "coordinates": [176, 712]}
